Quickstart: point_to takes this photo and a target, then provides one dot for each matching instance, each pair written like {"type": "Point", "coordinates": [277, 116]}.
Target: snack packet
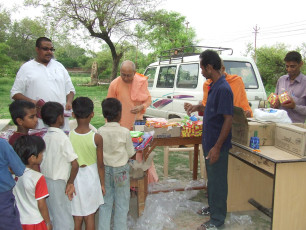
{"type": "Point", "coordinates": [284, 98]}
{"type": "Point", "coordinates": [273, 98]}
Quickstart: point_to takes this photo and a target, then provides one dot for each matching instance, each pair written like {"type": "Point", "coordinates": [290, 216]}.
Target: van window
{"type": "Point", "coordinates": [188, 76]}
{"type": "Point", "coordinates": [150, 73]}
{"type": "Point", "coordinates": [244, 70]}
{"type": "Point", "coordinates": [166, 77]}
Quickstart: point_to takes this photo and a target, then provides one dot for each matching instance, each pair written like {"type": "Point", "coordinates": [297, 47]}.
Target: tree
{"type": "Point", "coordinates": [70, 55]}
{"type": "Point", "coordinates": [164, 30]}
{"type": "Point", "coordinates": [22, 38]}
{"type": "Point", "coordinates": [109, 20]}
{"type": "Point", "coordinates": [8, 67]}
{"type": "Point", "coordinates": [5, 21]}
{"type": "Point", "coordinates": [270, 63]}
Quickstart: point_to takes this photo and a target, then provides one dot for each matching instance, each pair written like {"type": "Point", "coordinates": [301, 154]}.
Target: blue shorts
{"type": "Point", "coordinates": [9, 214]}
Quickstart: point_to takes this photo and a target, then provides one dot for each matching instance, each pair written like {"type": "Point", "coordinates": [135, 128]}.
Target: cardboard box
{"type": "Point", "coordinates": [139, 128]}
{"type": "Point", "coordinates": [171, 131]}
{"type": "Point", "coordinates": [291, 138]}
{"type": "Point", "coordinates": [243, 130]}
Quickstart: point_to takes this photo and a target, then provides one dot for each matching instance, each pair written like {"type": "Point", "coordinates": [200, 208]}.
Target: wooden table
{"type": "Point", "coordinates": [142, 184]}
{"type": "Point", "coordinates": [274, 178]}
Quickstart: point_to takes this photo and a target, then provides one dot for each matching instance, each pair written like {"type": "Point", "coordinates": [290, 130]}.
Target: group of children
{"type": "Point", "coordinates": [61, 181]}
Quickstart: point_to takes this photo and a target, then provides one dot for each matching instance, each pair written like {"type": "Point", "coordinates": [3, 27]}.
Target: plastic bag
{"type": "Point", "coordinates": [275, 115]}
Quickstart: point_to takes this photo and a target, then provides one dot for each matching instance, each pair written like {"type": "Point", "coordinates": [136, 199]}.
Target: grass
{"type": "Point", "coordinates": [95, 93]}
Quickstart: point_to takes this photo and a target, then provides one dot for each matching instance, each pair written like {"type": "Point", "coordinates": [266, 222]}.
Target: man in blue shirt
{"type": "Point", "coordinates": [216, 137]}
{"type": "Point", "coordinates": [9, 215]}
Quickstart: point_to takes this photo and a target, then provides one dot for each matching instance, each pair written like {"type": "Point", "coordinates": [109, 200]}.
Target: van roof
{"type": "Point", "coordinates": [195, 58]}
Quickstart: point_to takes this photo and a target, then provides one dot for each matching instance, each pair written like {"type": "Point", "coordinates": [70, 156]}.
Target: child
{"type": "Point", "coordinates": [89, 182]}
{"type": "Point", "coordinates": [31, 189]}
{"type": "Point", "coordinates": [24, 116]}
{"type": "Point", "coordinates": [117, 149]}
{"type": "Point", "coordinates": [59, 166]}
{"type": "Point", "coordinates": [9, 215]}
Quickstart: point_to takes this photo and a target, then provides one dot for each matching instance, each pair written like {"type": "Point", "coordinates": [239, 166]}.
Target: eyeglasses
{"type": "Point", "coordinates": [47, 49]}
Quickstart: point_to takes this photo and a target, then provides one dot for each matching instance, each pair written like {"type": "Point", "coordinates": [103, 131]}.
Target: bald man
{"type": "Point", "coordinates": [131, 89]}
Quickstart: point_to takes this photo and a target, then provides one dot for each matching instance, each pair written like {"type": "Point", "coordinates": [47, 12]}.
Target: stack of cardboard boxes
{"type": "Point", "coordinates": [288, 137]}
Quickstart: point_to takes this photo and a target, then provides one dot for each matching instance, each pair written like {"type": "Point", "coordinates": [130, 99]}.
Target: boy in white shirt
{"type": "Point", "coordinates": [59, 166]}
{"type": "Point", "coordinates": [31, 189]}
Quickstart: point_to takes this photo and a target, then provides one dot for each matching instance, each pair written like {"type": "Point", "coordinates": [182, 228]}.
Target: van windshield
{"type": "Point", "coordinates": [244, 70]}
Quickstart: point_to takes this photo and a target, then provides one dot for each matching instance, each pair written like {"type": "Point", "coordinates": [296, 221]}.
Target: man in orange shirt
{"type": "Point", "coordinates": [131, 89]}
{"type": "Point", "coordinates": [238, 89]}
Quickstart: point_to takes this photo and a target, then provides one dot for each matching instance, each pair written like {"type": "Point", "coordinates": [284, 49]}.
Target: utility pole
{"type": "Point", "coordinates": [187, 23]}
{"type": "Point", "coordinates": [256, 29]}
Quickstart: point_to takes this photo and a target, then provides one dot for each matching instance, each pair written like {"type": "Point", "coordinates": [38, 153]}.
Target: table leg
{"type": "Point", "coordinates": [195, 162]}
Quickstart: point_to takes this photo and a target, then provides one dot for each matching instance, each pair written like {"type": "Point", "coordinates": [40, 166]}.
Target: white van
{"type": "Point", "coordinates": [176, 78]}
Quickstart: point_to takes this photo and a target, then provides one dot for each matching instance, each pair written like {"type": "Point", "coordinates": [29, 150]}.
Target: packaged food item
{"type": "Point", "coordinates": [273, 98]}
{"type": "Point", "coordinates": [39, 104]}
{"type": "Point", "coordinates": [284, 98]}
{"type": "Point", "coordinates": [136, 133]}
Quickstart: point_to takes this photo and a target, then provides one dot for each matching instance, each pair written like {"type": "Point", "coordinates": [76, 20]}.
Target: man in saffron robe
{"type": "Point", "coordinates": [237, 87]}
{"type": "Point", "coordinates": [131, 89]}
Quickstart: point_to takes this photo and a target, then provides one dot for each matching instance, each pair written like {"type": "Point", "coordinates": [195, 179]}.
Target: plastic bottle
{"type": "Point", "coordinates": [254, 141]}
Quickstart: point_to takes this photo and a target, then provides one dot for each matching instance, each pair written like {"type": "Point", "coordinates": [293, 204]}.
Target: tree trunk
{"type": "Point", "coordinates": [115, 67]}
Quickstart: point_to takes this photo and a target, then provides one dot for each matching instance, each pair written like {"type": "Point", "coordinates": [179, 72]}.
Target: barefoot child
{"type": "Point", "coordinates": [117, 149]}
{"type": "Point", "coordinates": [31, 189]}
{"type": "Point", "coordinates": [59, 166]}
{"type": "Point", "coordinates": [89, 183]}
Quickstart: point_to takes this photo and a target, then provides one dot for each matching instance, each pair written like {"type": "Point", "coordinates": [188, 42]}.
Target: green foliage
{"type": "Point", "coordinates": [5, 87]}
{"type": "Point", "coordinates": [164, 30]}
{"type": "Point", "coordinates": [70, 55]}
{"type": "Point", "coordinates": [22, 38]}
{"type": "Point", "coordinates": [110, 21]}
{"type": "Point", "coordinates": [270, 63]}
{"type": "Point", "coordinates": [8, 67]}
{"type": "Point", "coordinates": [5, 22]}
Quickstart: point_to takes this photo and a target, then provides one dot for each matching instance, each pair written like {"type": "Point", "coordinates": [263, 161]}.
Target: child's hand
{"type": "Point", "coordinates": [49, 226]}
{"type": "Point", "coordinates": [70, 190]}
{"type": "Point", "coordinates": [103, 190]}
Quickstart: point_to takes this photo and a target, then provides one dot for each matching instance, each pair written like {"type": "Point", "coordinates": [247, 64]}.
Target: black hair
{"type": "Point", "coordinates": [18, 109]}
{"type": "Point", "coordinates": [42, 39]}
{"type": "Point", "coordinates": [293, 56]}
{"type": "Point", "coordinates": [50, 112]}
{"type": "Point", "coordinates": [111, 109]}
{"type": "Point", "coordinates": [210, 57]}
{"type": "Point", "coordinates": [26, 146]}
{"type": "Point", "coordinates": [82, 107]}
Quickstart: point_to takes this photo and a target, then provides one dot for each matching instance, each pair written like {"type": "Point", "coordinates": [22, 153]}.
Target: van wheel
{"type": "Point", "coordinates": [173, 116]}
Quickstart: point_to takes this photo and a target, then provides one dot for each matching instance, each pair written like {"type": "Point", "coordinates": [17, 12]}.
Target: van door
{"type": "Point", "coordinates": [188, 87]}
{"type": "Point", "coordinates": [162, 92]}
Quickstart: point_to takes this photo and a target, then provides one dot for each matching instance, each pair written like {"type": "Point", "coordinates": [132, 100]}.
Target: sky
{"type": "Point", "coordinates": [230, 23]}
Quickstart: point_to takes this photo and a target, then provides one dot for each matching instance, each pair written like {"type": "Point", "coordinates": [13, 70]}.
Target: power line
{"type": "Point", "coordinates": [281, 36]}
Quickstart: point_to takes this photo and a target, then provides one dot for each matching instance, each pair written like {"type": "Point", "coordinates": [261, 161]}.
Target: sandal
{"type": "Point", "coordinates": [207, 226]}
{"type": "Point", "coordinates": [205, 211]}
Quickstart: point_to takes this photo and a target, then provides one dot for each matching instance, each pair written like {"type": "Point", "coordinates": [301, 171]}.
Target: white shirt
{"type": "Point", "coordinates": [59, 154]}
{"type": "Point", "coordinates": [117, 144]}
{"type": "Point", "coordinates": [27, 193]}
{"type": "Point", "coordinates": [50, 83]}
{"type": "Point", "coordinates": [37, 81]}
